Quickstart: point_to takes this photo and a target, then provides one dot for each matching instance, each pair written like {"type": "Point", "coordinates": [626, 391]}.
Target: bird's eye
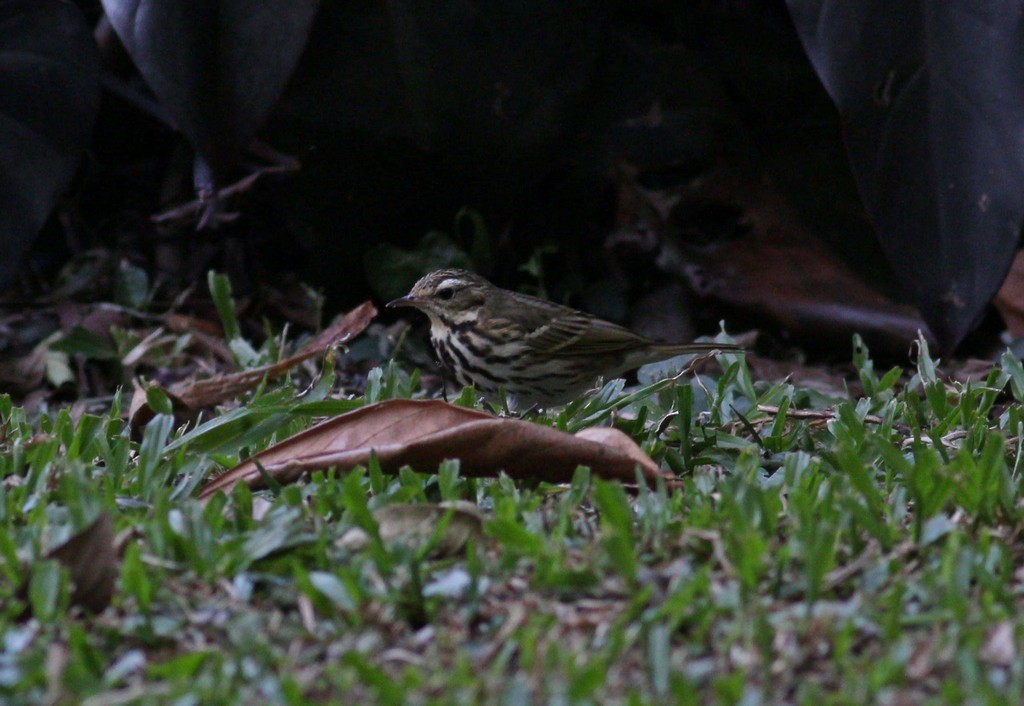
{"type": "Point", "coordinates": [445, 294]}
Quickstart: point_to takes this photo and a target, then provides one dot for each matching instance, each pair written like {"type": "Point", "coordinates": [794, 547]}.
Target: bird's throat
{"type": "Point", "coordinates": [442, 325]}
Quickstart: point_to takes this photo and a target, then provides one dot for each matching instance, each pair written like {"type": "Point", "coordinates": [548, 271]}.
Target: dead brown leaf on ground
{"type": "Point", "coordinates": [1000, 647]}
{"type": "Point", "coordinates": [194, 395]}
{"type": "Point", "coordinates": [1009, 301]}
{"type": "Point", "coordinates": [416, 524]}
{"type": "Point", "coordinates": [98, 319]}
{"type": "Point", "coordinates": [92, 564]}
{"type": "Point", "coordinates": [772, 265]}
{"type": "Point", "coordinates": [205, 334]}
{"type": "Point", "coordinates": [828, 380]}
{"type": "Point", "coordinates": [423, 433]}
{"type": "Point", "coordinates": [23, 374]}
{"type": "Point", "coordinates": [140, 413]}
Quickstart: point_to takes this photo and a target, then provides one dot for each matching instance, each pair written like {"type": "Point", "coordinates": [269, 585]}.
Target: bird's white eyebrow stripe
{"type": "Point", "coordinates": [450, 282]}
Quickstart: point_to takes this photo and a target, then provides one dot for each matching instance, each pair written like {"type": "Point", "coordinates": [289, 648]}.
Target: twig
{"type": "Point", "coordinates": [192, 208]}
{"type": "Point", "coordinates": [717, 547]}
{"type": "Point", "coordinates": [826, 415]}
{"type": "Point", "coordinates": [841, 575]}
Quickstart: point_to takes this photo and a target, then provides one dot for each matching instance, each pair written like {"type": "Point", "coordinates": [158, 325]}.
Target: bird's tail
{"type": "Point", "coordinates": [664, 351]}
{"type": "Point", "coordinates": [670, 350]}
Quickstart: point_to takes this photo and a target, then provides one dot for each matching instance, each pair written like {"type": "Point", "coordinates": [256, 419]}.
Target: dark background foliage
{"type": "Point", "coordinates": [667, 163]}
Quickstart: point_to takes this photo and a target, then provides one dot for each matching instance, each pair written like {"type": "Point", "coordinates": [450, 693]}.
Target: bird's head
{"type": "Point", "coordinates": [450, 295]}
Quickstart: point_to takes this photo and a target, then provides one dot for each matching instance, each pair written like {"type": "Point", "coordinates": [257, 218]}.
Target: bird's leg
{"type": "Point", "coordinates": [532, 409]}
{"type": "Point", "coordinates": [503, 397]}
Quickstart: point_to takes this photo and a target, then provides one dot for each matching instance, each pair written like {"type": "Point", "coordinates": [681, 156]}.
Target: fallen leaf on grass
{"type": "Point", "coordinates": [421, 434]}
{"type": "Point", "coordinates": [205, 334]}
{"type": "Point", "coordinates": [610, 436]}
{"type": "Point", "coordinates": [194, 395]}
{"type": "Point", "coordinates": [1000, 646]}
{"type": "Point", "coordinates": [23, 374]}
{"type": "Point", "coordinates": [414, 525]}
{"type": "Point", "coordinates": [155, 339]}
{"type": "Point", "coordinates": [141, 412]}
{"type": "Point", "coordinates": [182, 323]}
{"type": "Point", "coordinates": [1009, 300]}
{"type": "Point", "coordinates": [203, 393]}
{"type": "Point", "coordinates": [92, 564]}
{"type": "Point", "coordinates": [95, 319]}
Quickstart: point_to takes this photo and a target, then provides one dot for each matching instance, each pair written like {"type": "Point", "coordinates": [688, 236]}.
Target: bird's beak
{"type": "Point", "coordinates": [407, 300]}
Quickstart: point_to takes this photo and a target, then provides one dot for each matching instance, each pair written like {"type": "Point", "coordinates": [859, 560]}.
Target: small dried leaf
{"type": "Point", "coordinates": [610, 436]}
{"type": "Point", "coordinates": [182, 323]}
{"type": "Point", "coordinates": [140, 412]}
{"type": "Point", "coordinates": [92, 563]}
{"type": "Point", "coordinates": [414, 525]}
{"type": "Point", "coordinates": [58, 369]}
{"type": "Point", "coordinates": [205, 334]}
{"type": "Point", "coordinates": [204, 393]}
{"type": "Point", "coordinates": [1009, 299]}
{"type": "Point", "coordinates": [24, 374]}
{"type": "Point", "coordinates": [197, 394]}
{"type": "Point", "coordinates": [260, 507]}
{"type": "Point", "coordinates": [343, 328]}
{"type": "Point", "coordinates": [999, 647]}
{"type": "Point", "coordinates": [154, 340]}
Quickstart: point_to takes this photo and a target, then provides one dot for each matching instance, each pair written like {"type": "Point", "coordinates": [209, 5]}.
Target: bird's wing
{"type": "Point", "coordinates": [575, 334]}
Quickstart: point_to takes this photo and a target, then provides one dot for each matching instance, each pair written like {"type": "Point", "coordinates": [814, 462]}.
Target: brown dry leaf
{"type": "Point", "coordinates": [610, 436]}
{"type": "Point", "coordinates": [815, 377]}
{"type": "Point", "coordinates": [58, 656]}
{"type": "Point", "coordinates": [183, 323]}
{"type": "Point", "coordinates": [414, 525]}
{"type": "Point", "coordinates": [94, 318]}
{"type": "Point", "coordinates": [343, 328]}
{"type": "Point", "coordinates": [767, 261]}
{"type": "Point", "coordinates": [974, 370]}
{"type": "Point", "coordinates": [156, 338]}
{"type": "Point", "coordinates": [1009, 299]}
{"type": "Point", "coordinates": [92, 564]}
{"type": "Point", "coordinates": [204, 393]}
{"type": "Point", "coordinates": [1000, 646]}
{"type": "Point", "coordinates": [24, 374]}
{"type": "Point", "coordinates": [140, 413]}
{"type": "Point", "coordinates": [293, 301]}
{"type": "Point", "coordinates": [795, 280]}
{"type": "Point", "coordinates": [423, 433]}
{"type": "Point", "coordinates": [204, 333]}
{"type": "Point", "coordinates": [197, 394]}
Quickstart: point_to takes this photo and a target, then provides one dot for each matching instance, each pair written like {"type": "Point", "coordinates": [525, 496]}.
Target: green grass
{"type": "Point", "coordinates": [872, 554]}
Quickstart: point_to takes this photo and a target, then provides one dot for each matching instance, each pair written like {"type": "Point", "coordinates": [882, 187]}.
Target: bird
{"type": "Point", "coordinates": [542, 354]}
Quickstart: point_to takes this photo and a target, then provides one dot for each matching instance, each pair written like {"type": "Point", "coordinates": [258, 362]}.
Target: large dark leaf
{"type": "Point", "coordinates": [217, 65]}
{"type": "Point", "coordinates": [932, 98]}
{"type": "Point", "coordinates": [49, 74]}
